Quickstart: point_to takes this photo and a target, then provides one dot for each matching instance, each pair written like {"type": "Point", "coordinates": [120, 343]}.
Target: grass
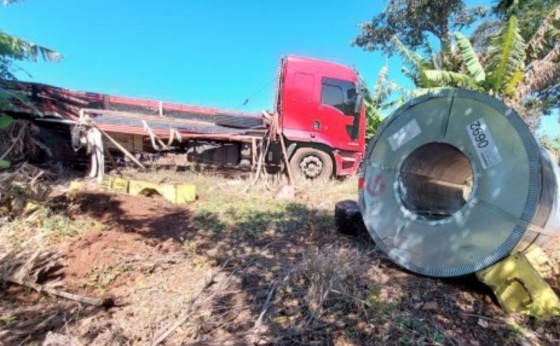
{"type": "Point", "coordinates": [231, 204]}
{"type": "Point", "coordinates": [327, 286]}
{"type": "Point", "coordinates": [43, 226]}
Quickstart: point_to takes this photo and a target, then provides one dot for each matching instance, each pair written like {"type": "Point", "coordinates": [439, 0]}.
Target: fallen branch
{"type": "Point", "coordinates": [24, 270]}
{"type": "Point", "coordinates": [267, 304]}
{"type": "Point", "coordinates": [483, 317]}
{"type": "Point", "coordinates": [188, 312]}
{"type": "Point", "coordinates": [15, 141]}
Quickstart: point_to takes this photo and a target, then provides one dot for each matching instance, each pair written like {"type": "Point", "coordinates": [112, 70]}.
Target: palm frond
{"type": "Point", "coordinates": [408, 73]}
{"type": "Point", "coordinates": [443, 78]}
{"type": "Point", "coordinates": [19, 49]}
{"type": "Point", "coordinates": [374, 118]}
{"type": "Point", "coordinates": [434, 57]}
{"type": "Point", "coordinates": [483, 33]}
{"type": "Point", "coordinates": [470, 58]}
{"type": "Point", "coordinates": [510, 88]}
{"type": "Point", "coordinates": [412, 59]}
{"type": "Point", "coordinates": [542, 73]}
{"type": "Point", "coordinates": [381, 92]}
{"type": "Point", "coordinates": [10, 100]}
{"type": "Point", "coordinates": [548, 30]}
{"type": "Point", "coordinates": [507, 55]}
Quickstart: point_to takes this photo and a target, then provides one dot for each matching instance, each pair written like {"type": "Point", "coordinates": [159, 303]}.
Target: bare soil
{"type": "Point", "coordinates": [274, 275]}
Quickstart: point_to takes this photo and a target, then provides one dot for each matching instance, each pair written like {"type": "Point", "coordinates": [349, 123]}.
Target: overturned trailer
{"type": "Point", "coordinates": [318, 114]}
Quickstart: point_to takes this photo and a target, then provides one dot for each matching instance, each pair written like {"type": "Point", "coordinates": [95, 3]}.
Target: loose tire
{"type": "Point", "coordinates": [348, 218]}
{"type": "Point", "coordinates": [311, 163]}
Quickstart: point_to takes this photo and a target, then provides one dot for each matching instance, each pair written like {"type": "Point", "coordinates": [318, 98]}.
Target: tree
{"type": "Point", "coordinates": [524, 73]}
{"type": "Point", "coordinates": [14, 49]}
{"type": "Point", "coordinates": [374, 103]}
{"type": "Point", "coordinates": [539, 25]}
{"type": "Point", "coordinates": [531, 13]}
{"type": "Point", "coordinates": [413, 21]}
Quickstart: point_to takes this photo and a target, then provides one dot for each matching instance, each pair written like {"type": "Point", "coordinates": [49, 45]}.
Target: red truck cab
{"type": "Point", "coordinates": [322, 116]}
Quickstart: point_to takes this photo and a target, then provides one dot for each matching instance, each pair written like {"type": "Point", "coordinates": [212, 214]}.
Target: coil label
{"type": "Point", "coordinates": [484, 143]}
{"type": "Point", "coordinates": [405, 135]}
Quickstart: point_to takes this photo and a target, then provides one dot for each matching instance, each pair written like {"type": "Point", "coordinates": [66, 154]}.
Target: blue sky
{"type": "Point", "coordinates": [214, 53]}
{"type": "Point", "coordinates": [203, 52]}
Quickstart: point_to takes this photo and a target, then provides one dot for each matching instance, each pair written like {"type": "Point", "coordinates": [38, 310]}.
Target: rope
{"type": "Point", "coordinates": [154, 138]}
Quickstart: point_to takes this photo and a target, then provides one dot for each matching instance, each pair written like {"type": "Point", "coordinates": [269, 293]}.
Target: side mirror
{"type": "Point", "coordinates": [359, 102]}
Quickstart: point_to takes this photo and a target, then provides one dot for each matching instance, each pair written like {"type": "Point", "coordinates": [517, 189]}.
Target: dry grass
{"type": "Point", "coordinates": [282, 269]}
{"type": "Point", "coordinates": [335, 271]}
{"type": "Point", "coordinates": [40, 225]}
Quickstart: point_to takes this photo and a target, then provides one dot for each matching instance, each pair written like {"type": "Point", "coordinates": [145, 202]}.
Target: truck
{"type": "Point", "coordinates": [318, 114]}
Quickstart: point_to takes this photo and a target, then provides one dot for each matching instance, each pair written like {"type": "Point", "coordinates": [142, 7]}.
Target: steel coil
{"type": "Point", "coordinates": [454, 181]}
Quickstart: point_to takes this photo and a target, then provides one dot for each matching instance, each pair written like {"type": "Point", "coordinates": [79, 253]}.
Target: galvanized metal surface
{"type": "Point", "coordinates": [454, 182]}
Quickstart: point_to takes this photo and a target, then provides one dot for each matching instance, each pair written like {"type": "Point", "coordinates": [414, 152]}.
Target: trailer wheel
{"type": "Point", "coordinates": [311, 163]}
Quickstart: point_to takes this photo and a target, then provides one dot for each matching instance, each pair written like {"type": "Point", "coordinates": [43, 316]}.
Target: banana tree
{"type": "Point", "coordinates": [502, 72]}
{"type": "Point", "coordinates": [379, 100]}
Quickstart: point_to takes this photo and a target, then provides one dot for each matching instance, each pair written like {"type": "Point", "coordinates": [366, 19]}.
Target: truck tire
{"type": "Point", "coordinates": [312, 164]}
{"type": "Point", "coordinates": [348, 218]}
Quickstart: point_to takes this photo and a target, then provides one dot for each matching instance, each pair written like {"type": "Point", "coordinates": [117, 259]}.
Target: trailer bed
{"type": "Point", "coordinates": [133, 116]}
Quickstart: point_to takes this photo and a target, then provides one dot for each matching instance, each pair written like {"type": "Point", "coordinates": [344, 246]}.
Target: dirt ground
{"type": "Point", "coordinates": [238, 267]}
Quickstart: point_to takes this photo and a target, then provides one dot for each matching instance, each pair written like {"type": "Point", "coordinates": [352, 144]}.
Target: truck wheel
{"type": "Point", "coordinates": [311, 163]}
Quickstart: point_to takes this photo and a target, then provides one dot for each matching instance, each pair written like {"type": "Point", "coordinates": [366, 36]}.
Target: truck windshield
{"type": "Point", "coordinates": [340, 94]}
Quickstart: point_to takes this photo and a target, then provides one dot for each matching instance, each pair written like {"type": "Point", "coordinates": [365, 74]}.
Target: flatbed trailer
{"type": "Point", "coordinates": [318, 113]}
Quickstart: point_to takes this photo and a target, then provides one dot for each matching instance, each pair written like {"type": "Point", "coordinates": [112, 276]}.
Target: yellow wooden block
{"type": "Point", "coordinates": [106, 183]}
{"type": "Point", "coordinates": [540, 261]}
{"type": "Point", "coordinates": [520, 287]}
{"type": "Point", "coordinates": [119, 185]}
{"type": "Point", "coordinates": [175, 193]}
{"type": "Point", "coordinates": [114, 184]}
{"type": "Point", "coordinates": [77, 185]}
{"type": "Point", "coordinates": [181, 193]}
{"type": "Point", "coordinates": [185, 193]}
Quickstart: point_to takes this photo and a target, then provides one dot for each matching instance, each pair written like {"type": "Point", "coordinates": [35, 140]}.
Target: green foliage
{"type": "Point", "coordinates": [552, 144]}
{"type": "Point", "coordinates": [531, 13]}
{"type": "Point", "coordinates": [442, 78]}
{"type": "Point", "coordinates": [374, 118]}
{"type": "Point", "coordinates": [5, 121]}
{"type": "Point", "coordinates": [500, 75]}
{"type": "Point", "coordinates": [539, 25]}
{"type": "Point", "coordinates": [379, 101]}
{"type": "Point", "coordinates": [15, 48]}
{"type": "Point", "coordinates": [507, 56]}
{"type": "Point", "coordinates": [413, 21]}
{"type": "Point", "coordinates": [470, 58]}
{"type": "Point", "coordinates": [513, 55]}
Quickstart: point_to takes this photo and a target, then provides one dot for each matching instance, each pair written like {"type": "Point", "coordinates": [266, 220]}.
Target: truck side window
{"type": "Point", "coordinates": [339, 94]}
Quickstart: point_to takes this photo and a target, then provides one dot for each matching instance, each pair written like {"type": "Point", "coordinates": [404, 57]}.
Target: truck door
{"type": "Point", "coordinates": [338, 100]}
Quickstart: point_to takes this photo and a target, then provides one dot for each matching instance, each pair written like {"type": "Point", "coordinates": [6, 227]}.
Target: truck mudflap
{"type": "Point", "coordinates": [347, 163]}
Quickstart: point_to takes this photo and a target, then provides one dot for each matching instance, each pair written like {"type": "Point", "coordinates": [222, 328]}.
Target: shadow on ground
{"type": "Point", "coordinates": [288, 278]}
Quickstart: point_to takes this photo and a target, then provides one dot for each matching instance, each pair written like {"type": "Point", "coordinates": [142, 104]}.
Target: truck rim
{"type": "Point", "coordinates": [311, 166]}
